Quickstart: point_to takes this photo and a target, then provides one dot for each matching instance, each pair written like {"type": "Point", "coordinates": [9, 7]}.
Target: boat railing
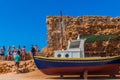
{"type": "Point", "coordinates": [101, 53]}
{"type": "Point", "coordinates": [86, 51]}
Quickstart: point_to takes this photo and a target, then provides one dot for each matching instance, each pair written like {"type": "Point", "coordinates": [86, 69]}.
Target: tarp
{"type": "Point", "coordinates": [94, 38]}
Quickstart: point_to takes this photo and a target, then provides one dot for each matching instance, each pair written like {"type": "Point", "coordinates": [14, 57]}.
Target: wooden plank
{"type": "Point", "coordinates": [85, 75]}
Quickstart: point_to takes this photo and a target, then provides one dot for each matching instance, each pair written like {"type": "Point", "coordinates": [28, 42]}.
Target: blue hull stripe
{"type": "Point", "coordinates": [44, 64]}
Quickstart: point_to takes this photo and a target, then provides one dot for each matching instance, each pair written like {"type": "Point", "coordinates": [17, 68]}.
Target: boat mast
{"type": "Point", "coordinates": [61, 21]}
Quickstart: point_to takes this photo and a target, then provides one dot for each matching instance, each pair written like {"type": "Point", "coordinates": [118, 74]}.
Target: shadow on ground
{"type": "Point", "coordinates": [96, 77]}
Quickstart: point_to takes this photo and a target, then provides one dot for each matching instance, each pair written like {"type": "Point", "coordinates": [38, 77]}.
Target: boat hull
{"type": "Point", "coordinates": [96, 70]}
{"type": "Point", "coordinates": [77, 67]}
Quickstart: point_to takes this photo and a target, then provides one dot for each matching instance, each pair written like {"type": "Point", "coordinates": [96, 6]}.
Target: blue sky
{"type": "Point", "coordinates": [24, 21]}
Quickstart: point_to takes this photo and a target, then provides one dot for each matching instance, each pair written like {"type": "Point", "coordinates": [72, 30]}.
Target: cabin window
{"type": "Point", "coordinates": [66, 55]}
{"type": "Point", "coordinates": [59, 55]}
{"type": "Point", "coordinates": [69, 20]}
{"type": "Point", "coordinates": [105, 20]}
{"type": "Point", "coordinates": [75, 44]}
{"type": "Point", "coordinates": [92, 20]}
{"type": "Point", "coordinates": [81, 21]}
{"type": "Point", "coordinates": [117, 20]}
{"type": "Point", "coordinates": [57, 20]}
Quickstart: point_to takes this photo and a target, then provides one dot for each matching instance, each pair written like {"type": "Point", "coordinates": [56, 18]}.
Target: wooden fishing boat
{"type": "Point", "coordinates": [74, 62]}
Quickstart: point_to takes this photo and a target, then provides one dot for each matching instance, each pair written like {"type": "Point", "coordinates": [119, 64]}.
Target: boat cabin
{"type": "Point", "coordinates": [75, 49]}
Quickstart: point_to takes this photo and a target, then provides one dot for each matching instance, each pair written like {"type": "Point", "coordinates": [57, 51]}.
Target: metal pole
{"type": "Point", "coordinates": [61, 29]}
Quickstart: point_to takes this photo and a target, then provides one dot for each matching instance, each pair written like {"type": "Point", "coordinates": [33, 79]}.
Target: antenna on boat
{"type": "Point", "coordinates": [61, 22]}
{"type": "Point", "coordinates": [78, 36]}
{"type": "Point", "coordinates": [107, 46]}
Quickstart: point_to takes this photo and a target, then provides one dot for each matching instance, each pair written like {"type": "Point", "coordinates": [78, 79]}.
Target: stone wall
{"type": "Point", "coordinates": [83, 25]}
{"type": "Point", "coordinates": [25, 66]}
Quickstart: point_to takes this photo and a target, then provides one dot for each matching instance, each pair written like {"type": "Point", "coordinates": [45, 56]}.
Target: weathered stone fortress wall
{"type": "Point", "coordinates": [83, 25]}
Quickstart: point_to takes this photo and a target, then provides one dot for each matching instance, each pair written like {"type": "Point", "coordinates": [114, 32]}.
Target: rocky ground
{"type": "Point", "coordinates": [25, 66]}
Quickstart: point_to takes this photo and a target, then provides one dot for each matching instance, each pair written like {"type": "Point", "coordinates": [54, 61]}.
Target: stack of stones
{"type": "Point", "coordinates": [85, 26]}
{"type": "Point", "coordinates": [25, 66]}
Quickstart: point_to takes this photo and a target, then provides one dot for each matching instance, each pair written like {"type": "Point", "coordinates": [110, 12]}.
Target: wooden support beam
{"type": "Point", "coordinates": [61, 76]}
{"type": "Point", "coordinates": [85, 75]}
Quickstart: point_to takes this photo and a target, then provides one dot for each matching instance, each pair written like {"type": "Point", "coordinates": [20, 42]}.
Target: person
{"type": "Point", "coordinates": [33, 51]}
{"type": "Point", "coordinates": [9, 53]}
{"type": "Point", "coordinates": [24, 53]}
{"type": "Point", "coordinates": [1, 55]}
{"type": "Point", "coordinates": [5, 54]}
{"type": "Point", "coordinates": [3, 47]}
{"type": "Point", "coordinates": [19, 51]}
{"type": "Point", "coordinates": [13, 49]}
{"type": "Point", "coordinates": [37, 50]}
{"type": "Point", "coordinates": [2, 52]}
{"type": "Point", "coordinates": [16, 60]}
